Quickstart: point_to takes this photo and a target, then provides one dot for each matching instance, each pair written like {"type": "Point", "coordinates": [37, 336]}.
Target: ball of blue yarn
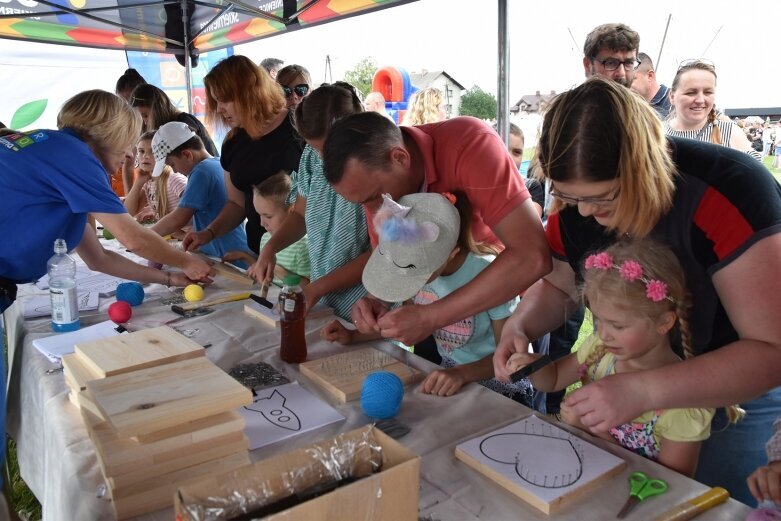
{"type": "Point", "coordinates": [130, 292]}
{"type": "Point", "coordinates": [381, 395]}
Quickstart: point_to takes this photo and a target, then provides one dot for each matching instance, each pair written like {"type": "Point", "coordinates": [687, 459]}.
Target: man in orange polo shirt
{"type": "Point", "coordinates": [366, 155]}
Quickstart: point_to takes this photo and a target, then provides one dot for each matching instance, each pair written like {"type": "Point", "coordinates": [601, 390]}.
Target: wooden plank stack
{"type": "Point", "coordinates": [159, 413]}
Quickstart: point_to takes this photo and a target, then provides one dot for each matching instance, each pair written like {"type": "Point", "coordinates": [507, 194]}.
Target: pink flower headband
{"type": "Point", "coordinates": [630, 270]}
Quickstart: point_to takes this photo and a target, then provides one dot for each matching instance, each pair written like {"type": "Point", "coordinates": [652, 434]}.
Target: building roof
{"type": "Point", "coordinates": [762, 112]}
{"type": "Point", "coordinates": [424, 79]}
{"type": "Point", "coordinates": [532, 102]}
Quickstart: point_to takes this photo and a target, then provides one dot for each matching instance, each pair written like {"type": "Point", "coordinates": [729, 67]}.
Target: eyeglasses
{"type": "Point", "coordinates": [611, 64]}
{"type": "Point", "coordinates": [696, 63]}
{"type": "Point", "coordinates": [598, 201]}
{"type": "Point", "coordinates": [301, 90]}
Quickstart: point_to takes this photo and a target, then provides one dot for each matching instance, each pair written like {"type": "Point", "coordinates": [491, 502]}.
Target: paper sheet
{"type": "Point", "coordinates": [55, 346]}
{"type": "Point", "coordinates": [40, 305]}
{"type": "Point", "coordinates": [281, 412]}
{"type": "Point", "coordinates": [89, 281]}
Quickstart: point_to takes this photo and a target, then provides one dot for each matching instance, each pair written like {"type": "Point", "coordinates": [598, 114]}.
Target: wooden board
{"type": "Point", "coordinates": [342, 375]}
{"type": "Point", "coordinates": [222, 447]}
{"type": "Point", "coordinates": [131, 352]}
{"type": "Point", "coordinates": [76, 373]}
{"type": "Point", "coordinates": [157, 398]}
{"type": "Point", "coordinates": [270, 317]}
{"type": "Point", "coordinates": [542, 464]}
{"type": "Point", "coordinates": [229, 271]}
{"type": "Point", "coordinates": [120, 456]}
{"type": "Point", "coordinates": [158, 492]}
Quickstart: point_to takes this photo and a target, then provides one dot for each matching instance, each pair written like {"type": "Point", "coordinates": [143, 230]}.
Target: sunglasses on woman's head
{"type": "Point", "coordinates": [301, 89]}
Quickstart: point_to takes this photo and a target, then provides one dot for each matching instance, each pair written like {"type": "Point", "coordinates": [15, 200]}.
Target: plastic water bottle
{"type": "Point", "coordinates": [62, 289]}
{"type": "Point", "coordinates": [292, 322]}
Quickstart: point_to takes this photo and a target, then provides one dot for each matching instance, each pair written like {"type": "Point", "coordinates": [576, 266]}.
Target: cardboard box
{"type": "Point", "coordinates": [390, 494]}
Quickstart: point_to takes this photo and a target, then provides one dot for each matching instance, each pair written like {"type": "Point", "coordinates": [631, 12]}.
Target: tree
{"type": "Point", "coordinates": [478, 103]}
{"type": "Point", "coordinates": [361, 75]}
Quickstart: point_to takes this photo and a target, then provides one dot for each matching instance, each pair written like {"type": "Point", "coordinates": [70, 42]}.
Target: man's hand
{"type": "Point", "coordinates": [366, 312]}
{"type": "Point", "coordinates": [407, 324]}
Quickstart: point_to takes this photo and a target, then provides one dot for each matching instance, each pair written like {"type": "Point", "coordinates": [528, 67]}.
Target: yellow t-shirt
{"type": "Point", "coordinates": [672, 424]}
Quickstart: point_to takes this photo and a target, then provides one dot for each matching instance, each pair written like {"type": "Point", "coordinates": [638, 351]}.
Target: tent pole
{"type": "Point", "coordinates": [187, 76]}
{"type": "Point", "coordinates": [503, 80]}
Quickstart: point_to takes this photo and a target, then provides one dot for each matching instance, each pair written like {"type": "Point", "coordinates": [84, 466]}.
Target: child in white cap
{"type": "Point", "coordinates": [175, 145]}
{"type": "Point", "coordinates": [425, 252]}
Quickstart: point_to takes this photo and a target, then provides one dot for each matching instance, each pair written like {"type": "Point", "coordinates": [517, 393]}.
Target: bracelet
{"type": "Point", "coordinates": [214, 235]}
{"type": "Point", "coordinates": [168, 279]}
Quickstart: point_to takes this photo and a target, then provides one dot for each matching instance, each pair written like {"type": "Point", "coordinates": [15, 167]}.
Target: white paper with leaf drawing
{"type": "Point", "coordinates": [284, 411]}
{"type": "Point", "coordinates": [537, 460]}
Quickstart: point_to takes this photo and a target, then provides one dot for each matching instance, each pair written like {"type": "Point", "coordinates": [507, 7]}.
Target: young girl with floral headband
{"type": "Point", "coordinates": [637, 294]}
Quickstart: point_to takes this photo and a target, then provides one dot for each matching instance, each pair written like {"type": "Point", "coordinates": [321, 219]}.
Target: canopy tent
{"type": "Point", "coordinates": [166, 25]}
{"type": "Point", "coordinates": [185, 27]}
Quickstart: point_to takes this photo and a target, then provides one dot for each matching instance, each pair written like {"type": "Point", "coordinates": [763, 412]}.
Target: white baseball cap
{"type": "Point", "coordinates": [416, 237]}
{"type": "Point", "coordinates": [167, 138]}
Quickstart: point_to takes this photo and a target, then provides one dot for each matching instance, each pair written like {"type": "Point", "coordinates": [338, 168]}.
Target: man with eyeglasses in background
{"type": "Point", "coordinates": [610, 51]}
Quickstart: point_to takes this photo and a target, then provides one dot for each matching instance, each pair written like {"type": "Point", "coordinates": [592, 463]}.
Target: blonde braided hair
{"type": "Point", "coordinates": [658, 263]}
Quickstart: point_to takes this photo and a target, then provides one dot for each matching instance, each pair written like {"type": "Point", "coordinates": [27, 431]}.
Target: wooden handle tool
{"type": "Point", "coordinates": [189, 306]}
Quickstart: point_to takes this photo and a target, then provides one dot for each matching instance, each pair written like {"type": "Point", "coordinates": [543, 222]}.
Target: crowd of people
{"type": "Point", "coordinates": [662, 223]}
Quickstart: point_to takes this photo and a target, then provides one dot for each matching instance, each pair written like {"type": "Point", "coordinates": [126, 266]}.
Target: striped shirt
{"type": "Point", "coordinates": [336, 229]}
{"type": "Point", "coordinates": [294, 258]}
{"type": "Point", "coordinates": [174, 190]}
{"type": "Point", "coordinates": [704, 134]}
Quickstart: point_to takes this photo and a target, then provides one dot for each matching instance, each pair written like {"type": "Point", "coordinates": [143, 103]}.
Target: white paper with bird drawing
{"type": "Point", "coordinates": [281, 412]}
{"type": "Point", "coordinates": [538, 461]}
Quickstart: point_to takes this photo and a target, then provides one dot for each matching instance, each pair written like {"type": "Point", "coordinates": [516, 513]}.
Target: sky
{"type": "Point", "coordinates": [460, 37]}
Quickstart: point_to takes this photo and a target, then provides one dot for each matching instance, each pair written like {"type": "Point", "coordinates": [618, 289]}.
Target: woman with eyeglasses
{"type": "Point", "coordinates": [694, 116]}
{"type": "Point", "coordinates": [295, 82]}
{"type": "Point", "coordinates": [616, 176]}
{"type": "Point", "coordinates": [261, 141]}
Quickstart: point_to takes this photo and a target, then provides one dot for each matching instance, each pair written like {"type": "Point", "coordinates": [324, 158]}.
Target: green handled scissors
{"type": "Point", "coordinates": [641, 487]}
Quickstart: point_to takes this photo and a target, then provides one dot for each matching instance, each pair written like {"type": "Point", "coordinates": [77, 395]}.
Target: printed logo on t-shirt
{"type": "Point", "coordinates": [454, 336]}
{"type": "Point", "coordinates": [21, 140]}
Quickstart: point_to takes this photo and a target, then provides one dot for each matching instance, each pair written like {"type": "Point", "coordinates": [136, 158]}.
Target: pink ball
{"type": "Point", "coordinates": [120, 312]}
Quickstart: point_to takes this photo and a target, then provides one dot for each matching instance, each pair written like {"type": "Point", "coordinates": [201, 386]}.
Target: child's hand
{"type": "Point", "coordinates": [238, 255]}
{"type": "Point", "coordinates": [334, 331]}
{"type": "Point", "coordinates": [570, 417]}
{"type": "Point", "coordinates": [145, 215]}
{"type": "Point", "coordinates": [765, 483]}
{"type": "Point", "coordinates": [443, 382]}
{"type": "Point", "coordinates": [519, 360]}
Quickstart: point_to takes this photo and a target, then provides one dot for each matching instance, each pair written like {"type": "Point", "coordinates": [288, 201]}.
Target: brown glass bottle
{"type": "Point", "coordinates": [292, 322]}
